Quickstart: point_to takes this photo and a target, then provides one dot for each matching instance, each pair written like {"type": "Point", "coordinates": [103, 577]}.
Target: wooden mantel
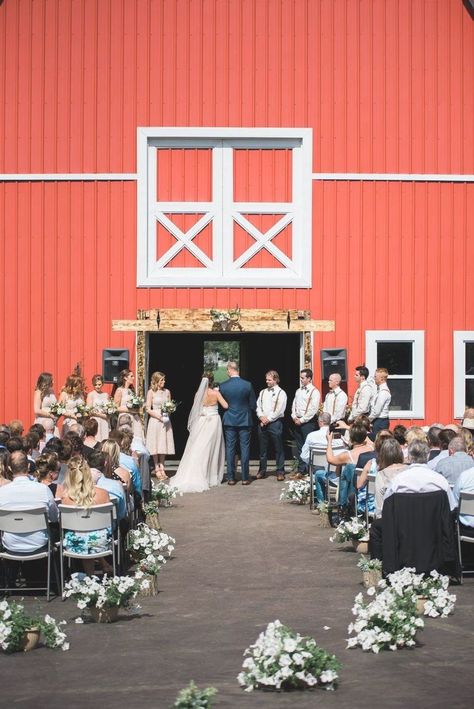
{"type": "Point", "coordinates": [199, 320]}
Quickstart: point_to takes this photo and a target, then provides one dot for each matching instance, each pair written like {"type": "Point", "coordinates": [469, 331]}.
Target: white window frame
{"type": "Point", "coordinates": [222, 270]}
{"type": "Point", "coordinates": [461, 337]}
{"type": "Point", "coordinates": [417, 338]}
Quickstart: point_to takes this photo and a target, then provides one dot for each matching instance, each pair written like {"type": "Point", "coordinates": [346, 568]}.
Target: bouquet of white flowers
{"type": "Point", "coordinates": [296, 491]}
{"type": "Point", "coordinates": [135, 402]}
{"type": "Point", "coordinates": [283, 659]}
{"type": "Point", "coordinates": [164, 494]}
{"type": "Point", "coordinates": [349, 530]}
{"type": "Point", "coordinates": [169, 407]}
{"type": "Point", "coordinates": [83, 410]}
{"type": "Point", "coordinates": [107, 407]}
{"type": "Point", "coordinates": [57, 408]}
{"type": "Point", "coordinates": [15, 624]}
{"type": "Point", "coordinates": [108, 592]}
{"type": "Point", "coordinates": [388, 621]}
{"type": "Point", "coordinates": [433, 589]}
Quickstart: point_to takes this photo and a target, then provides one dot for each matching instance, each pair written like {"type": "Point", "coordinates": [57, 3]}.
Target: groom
{"type": "Point", "coordinates": [237, 421]}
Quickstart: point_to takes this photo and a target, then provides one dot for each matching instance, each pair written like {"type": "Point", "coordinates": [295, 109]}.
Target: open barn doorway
{"type": "Point", "coordinates": [184, 356]}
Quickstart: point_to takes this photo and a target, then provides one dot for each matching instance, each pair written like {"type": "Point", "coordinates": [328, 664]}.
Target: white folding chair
{"type": "Point", "coordinates": [317, 460]}
{"type": "Point", "coordinates": [466, 507]}
{"type": "Point", "coordinates": [28, 521]}
{"type": "Point", "coordinates": [86, 519]}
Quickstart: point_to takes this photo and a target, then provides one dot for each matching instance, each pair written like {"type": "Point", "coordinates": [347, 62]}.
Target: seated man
{"type": "Point", "coordinates": [457, 461]}
{"type": "Point", "coordinates": [444, 438]}
{"type": "Point", "coordinates": [319, 440]}
{"type": "Point", "coordinates": [465, 483]}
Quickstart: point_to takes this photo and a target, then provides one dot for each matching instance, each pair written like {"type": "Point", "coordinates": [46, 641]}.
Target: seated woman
{"type": "Point", "coordinates": [47, 470]}
{"type": "Point", "coordinates": [359, 444]}
{"type": "Point", "coordinates": [370, 468]}
{"type": "Point", "coordinates": [90, 442]}
{"type": "Point", "coordinates": [79, 489]}
{"type": "Point", "coordinates": [5, 474]}
{"type": "Point", "coordinates": [112, 451]}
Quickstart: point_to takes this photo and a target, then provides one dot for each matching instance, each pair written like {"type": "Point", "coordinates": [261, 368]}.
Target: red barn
{"type": "Point", "coordinates": [295, 158]}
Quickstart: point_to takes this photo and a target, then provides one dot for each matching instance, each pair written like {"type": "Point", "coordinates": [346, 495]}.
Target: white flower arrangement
{"type": "Point", "coordinates": [296, 491]}
{"type": "Point", "coordinates": [387, 622]}
{"type": "Point", "coordinates": [283, 659]}
{"type": "Point", "coordinates": [107, 407]}
{"type": "Point", "coordinates": [108, 592]}
{"type": "Point", "coordinates": [84, 411]}
{"type": "Point", "coordinates": [349, 530]}
{"type": "Point", "coordinates": [365, 564]}
{"type": "Point", "coordinates": [164, 493]}
{"type": "Point", "coordinates": [57, 408]}
{"type": "Point", "coordinates": [135, 402]}
{"type": "Point", "coordinates": [433, 588]}
{"type": "Point", "coordinates": [15, 622]}
{"type": "Point", "coordinates": [145, 541]}
{"type": "Point", "coordinates": [169, 407]}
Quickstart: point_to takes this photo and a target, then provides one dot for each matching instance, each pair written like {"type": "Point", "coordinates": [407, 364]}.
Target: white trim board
{"type": "Point", "coordinates": [389, 177]}
{"type": "Point", "coordinates": [68, 177]}
{"type": "Point", "coordinates": [460, 338]}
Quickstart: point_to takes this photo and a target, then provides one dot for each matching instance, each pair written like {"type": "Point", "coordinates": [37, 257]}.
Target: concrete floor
{"type": "Point", "coordinates": [242, 559]}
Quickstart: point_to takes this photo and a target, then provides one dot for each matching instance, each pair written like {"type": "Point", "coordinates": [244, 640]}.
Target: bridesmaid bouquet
{"type": "Point", "coordinates": [57, 409]}
{"type": "Point", "coordinates": [108, 408]}
{"type": "Point", "coordinates": [135, 402]}
{"type": "Point", "coordinates": [167, 408]}
{"type": "Point", "coordinates": [83, 411]}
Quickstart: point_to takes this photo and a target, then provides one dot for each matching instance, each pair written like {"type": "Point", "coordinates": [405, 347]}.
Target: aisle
{"type": "Point", "coordinates": [242, 560]}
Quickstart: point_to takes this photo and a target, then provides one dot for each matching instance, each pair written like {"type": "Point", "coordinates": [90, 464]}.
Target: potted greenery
{"type": "Point", "coordinates": [191, 697]}
{"type": "Point", "coordinates": [322, 516]}
{"type": "Point", "coordinates": [353, 530]}
{"type": "Point", "coordinates": [296, 491]}
{"type": "Point", "coordinates": [282, 659]}
{"type": "Point", "coordinates": [371, 570]}
{"type": "Point", "coordinates": [20, 631]}
{"type": "Point", "coordinates": [163, 494]}
{"type": "Point", "coordinates": [152, 514]}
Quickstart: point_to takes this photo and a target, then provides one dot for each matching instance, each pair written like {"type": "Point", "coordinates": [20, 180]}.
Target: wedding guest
{"type": "Point", "coordinates": [159, 435]}
{"type": "Point", "coordinates": [466, 435]}
{"type": "Point", "coordinates": [72, 395]}
{"type": "Point", "coordinates": [379, 409]}
{"type": "Point", "coordinates": [271, 405]}
{"type": "Point", "coordinates": [30, 447]}
{"type": "Point", "coordinates": [319, 439]}
{"type": "Point", "coordinates": [371, 467]}
{"type": "Point", "coordinates": [47, 470]}
{"type": "Point", "coordinates": [122, 392]}
{"type": "Point", "coordinates": [416, 433]}
{"type": "Point", "coordinates": [117, 472]}
{"type": "Point", "coordinates": [14, 443]}
{"type": "Point", "coordinates": [5, 475]}
{"type": "Point", "coordinates": [336, 399]}
{"type": "Point", "coordinates": [303, 412]}
{"type": "Point", "coordinates": [348, 459]}
{"type": "Point", "coordinates": [433, 440]}
{"type": "Point", "coordinates": [90, 442]}
{"type": "Point", "coordinates": [456, 462]}
{"type": "Point", "coordinates": [41, 431]}
{"type": "Point", "coordinates": [444, 438]}
{"type": "Point", "coordinates": [16, 427]}
{"type": "Point", "coordinates": [390, 462]}
{"type": "Point", "coordinates": [128, 459]}
{"type": "Point", "coordinates": [97, 399]}
{"type": "Point", "coordinates": [363, 395]}
{"type": "Point", "coordinates": [465, 483]}
{"type": "Point", "coordinates": [79, 489]}
{"type": "Point", "coordinates": [76, 443]}
{"type": "Point", "coordinates": [102, 477]}
{"type": "Point", "coordinates": [43, 397]}
{"type": "Point", "coordinates": [4, 436]}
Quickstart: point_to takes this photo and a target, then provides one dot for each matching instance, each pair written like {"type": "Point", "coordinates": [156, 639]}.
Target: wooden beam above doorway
{"type": "Point", "coordinates": [200, 320]}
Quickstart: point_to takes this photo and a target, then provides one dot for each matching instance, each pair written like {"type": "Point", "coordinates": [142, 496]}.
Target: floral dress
{"type": "Point", "coordinates": [87, 543]}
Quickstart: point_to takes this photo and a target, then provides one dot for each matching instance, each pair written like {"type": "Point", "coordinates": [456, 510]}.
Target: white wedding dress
{"type": "Point", "coordinates": [202, 464]}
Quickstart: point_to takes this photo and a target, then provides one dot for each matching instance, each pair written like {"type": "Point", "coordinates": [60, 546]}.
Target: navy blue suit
{"type": "Point", "coordinates": [238, 422]}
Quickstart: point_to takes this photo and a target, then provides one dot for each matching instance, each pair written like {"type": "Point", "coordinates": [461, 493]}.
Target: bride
{"type": "Point", "coordinates": [202, 464]}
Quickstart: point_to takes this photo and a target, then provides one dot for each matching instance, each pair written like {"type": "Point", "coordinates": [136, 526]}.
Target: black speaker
{"type": "Point", "coordinates": [113, 361]}
{"type": "Point", "coordinates": [334, 362]}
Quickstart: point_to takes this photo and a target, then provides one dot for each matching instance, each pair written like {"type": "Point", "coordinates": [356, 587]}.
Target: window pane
{"type": "Point", "coordinates": [469, 357]}
{"type": "Point", "coordinates": [216, 355]}
{"type": "Point", "coordinates": [401, 394]}
{"type": "Point", "coordinates": [469, 392]}
{"type": "Point", "coordinates": [397, 357]}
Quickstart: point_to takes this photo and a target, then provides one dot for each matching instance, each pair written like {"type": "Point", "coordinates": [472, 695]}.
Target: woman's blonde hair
{"type": "Point", "coordinates": [156, 378]}
{"type": "Point", "coordinates": [112, 451]}
{"type": "Point", "coordinates": [415, 433]}
{"type": "Point", "coordinates": [78, 482]}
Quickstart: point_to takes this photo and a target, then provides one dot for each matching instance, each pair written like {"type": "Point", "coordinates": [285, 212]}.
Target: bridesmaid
{"type": "Point", "coordinates": [71, 395]}
{"type": "Point", "coordinates": [159, 435]}
{"type": "Point", "coordinates": [43, 397]}
{"type": "Point", "coordinates": [121, 392]}
{"type": "Point", "coordinates": [97, 397]}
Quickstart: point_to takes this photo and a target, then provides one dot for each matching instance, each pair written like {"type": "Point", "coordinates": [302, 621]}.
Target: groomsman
{"type": "Point", "coordinates": [380, 404]}
{"type": "Point", "coordinates": [336, 399]}
{"type": "Point", "coordinates": [303, 412]}
{"type": "Point", "coordinates": [271, 405]}
{"type": "Point", "coordinates": [363, 395]}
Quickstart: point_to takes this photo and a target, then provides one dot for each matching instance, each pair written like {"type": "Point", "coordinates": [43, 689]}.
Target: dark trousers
{"type": "Point", "coordinates": [232, 434]}
{"type": "Point", "coordinates": [272, 431]}
{"type": "Point", "coordinates": [300, 433]}
{"type": "Point", "coordinates": [380, 425]}
{"type": "Point", "coordinates": [375, 539]}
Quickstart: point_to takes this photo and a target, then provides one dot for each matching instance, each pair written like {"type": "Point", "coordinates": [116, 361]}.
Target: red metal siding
{"type": "Point", "coordinates": [385, 86]}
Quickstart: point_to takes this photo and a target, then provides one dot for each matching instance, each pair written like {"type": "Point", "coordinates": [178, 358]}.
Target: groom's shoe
{"type": "Point", "coordinates": [246, 482]}
{"type": "Point", "coordinates": [280, 476]}
{"type": "Point", "coordinates": [231, 482]}
{"type": "Point", "coordinates": [260, 475]}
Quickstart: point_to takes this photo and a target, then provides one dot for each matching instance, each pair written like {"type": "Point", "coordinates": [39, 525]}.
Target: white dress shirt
{"type": "Point", "coordinates": [420, 478]}
{"type": "Point", "coordinates": [335, 404]}
{"type": "Point", "coordinates": [362, 400]}
{"type": "Point", "coordinates": [23, 493]}
{"type": "Point", "coordinates": [319, 439]}
{"type": "Point", "coordinates": [306, 403]}
{"type": "Point", "coordinates": [434, 461]}
{"type": "Point", "coordinates": [380, 403]}
{"type": "Point", "coordinates": [271, 403]}
{"type": "Point", "coordinates": [464, 483]}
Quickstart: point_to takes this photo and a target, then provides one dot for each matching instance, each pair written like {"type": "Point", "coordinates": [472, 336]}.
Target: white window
{"type": "Point", "coordinates": [402, 352]}
{"type": "Point", "coordinates": [224, 207]}
{"type": "Point", "coordinates": [463, 371]}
